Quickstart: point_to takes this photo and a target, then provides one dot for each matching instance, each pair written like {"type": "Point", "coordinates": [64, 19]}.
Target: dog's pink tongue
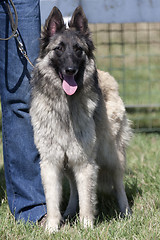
{"type": "Point", "coordinates": [69, 84]}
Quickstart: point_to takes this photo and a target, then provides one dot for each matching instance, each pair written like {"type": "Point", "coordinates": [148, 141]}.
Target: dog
{"type": "Point", "coordinates": [79, 122]}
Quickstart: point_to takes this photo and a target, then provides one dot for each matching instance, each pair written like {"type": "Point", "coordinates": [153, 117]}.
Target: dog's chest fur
{"type": "Point", "coordinates": [64, 125]}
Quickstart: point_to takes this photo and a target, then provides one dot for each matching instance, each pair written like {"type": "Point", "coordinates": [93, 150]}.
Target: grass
{"type": "Point", "coordinates": [143, 190]}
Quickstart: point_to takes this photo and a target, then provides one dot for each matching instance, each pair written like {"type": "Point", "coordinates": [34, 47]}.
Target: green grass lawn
{"type": "Point", "coordinates": [142, 181]}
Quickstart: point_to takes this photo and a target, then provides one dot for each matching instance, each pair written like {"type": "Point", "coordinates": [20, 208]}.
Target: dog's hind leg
{"type": "Point", "coordinates": [51, 178]}
{"type": "Point", "coordinates": [73, 200]}
{"type": "Point", "coordinates": [86, 178]}
{"type": "Point", "coordinates": [121, 195]}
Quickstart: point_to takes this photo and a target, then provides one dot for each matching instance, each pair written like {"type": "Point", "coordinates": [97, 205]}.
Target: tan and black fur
{"type": "Point", "coordinates": [83, 135]}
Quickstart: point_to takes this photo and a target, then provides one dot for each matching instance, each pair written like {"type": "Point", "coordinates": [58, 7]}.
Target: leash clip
{"type": "Point", "coordinates": [20, 44]}
{"type": "Point", "coordinates": [21, 48]}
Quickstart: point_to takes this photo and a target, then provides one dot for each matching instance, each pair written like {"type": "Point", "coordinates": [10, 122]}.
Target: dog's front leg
{"type": "Point", "coordinates": [51, 179]}
{"type": "Point", "coordinates": [86, 178]}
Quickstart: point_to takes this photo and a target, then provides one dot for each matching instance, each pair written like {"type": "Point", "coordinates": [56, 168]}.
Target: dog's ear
{"type": "Point", "coordinates": [79, 21]}
{"type": "Point", "coordinates": [54, 22]}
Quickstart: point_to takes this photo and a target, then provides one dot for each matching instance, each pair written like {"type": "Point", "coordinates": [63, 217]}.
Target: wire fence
{"type": "Point", "coordinates": [131, 53]}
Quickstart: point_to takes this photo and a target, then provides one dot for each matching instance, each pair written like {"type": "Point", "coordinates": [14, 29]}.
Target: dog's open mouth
{"type": "Point", "coordinates": [69, 84]}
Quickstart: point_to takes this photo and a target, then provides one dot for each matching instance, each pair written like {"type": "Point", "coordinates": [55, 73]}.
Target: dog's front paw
{"type": "Point", "coordinates": [87, 222]}
{"type": "Point", "coordinates": [52, 225]}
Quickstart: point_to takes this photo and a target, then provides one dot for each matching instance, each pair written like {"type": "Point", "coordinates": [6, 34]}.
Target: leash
{"type": "Point", "coordinates": [14, 27]}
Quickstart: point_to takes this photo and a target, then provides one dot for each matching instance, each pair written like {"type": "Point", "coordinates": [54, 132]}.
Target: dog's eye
{"type": "Point", "coordinates": [78, 51]}
{"type": "Point", "coordinates": [59, 50]}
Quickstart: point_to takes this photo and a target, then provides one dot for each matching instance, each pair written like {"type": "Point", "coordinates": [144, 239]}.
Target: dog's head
{"type": "Point", "coordinates": [69, 49]}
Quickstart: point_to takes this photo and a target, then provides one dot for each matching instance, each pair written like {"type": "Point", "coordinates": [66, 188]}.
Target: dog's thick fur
{"type": "Point", "coordinates": [83, 133]}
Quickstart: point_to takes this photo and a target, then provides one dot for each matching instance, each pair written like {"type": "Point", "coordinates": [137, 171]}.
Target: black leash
{"type": "Point", "coordinates": [14, 27]}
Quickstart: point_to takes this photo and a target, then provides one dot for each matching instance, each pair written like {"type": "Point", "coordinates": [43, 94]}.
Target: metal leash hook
{"type": "Point", "coordinates": [21, 48]}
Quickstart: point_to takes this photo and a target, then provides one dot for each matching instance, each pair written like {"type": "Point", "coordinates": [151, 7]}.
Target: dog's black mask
{"type": "Point", "coordinates": [70, 48]}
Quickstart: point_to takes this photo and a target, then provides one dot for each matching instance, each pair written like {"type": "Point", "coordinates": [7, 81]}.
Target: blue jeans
{"type": "Point", "coordinates": [21, 159]}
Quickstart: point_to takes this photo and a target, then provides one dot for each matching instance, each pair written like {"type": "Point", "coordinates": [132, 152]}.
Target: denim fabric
{"type": "Point", "coordinates": [21, 160]}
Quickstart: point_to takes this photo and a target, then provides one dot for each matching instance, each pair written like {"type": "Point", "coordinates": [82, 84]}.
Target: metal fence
{"type": "Point", "coordinates": [131, 53]}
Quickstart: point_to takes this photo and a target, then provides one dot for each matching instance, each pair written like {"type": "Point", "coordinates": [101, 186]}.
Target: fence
{"type": "Point", "coordinates": [126, 34]}
{"type": "Point", "coordinates": [131, 53]}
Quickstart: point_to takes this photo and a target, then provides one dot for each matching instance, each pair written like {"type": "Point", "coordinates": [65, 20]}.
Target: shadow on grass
{"type": "Point", "coordinates": [2, 185]}
{"type": "Point", "coordinates": [107, 205]}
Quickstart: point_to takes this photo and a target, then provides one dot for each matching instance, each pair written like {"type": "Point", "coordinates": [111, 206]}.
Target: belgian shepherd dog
{"type": "Point", "coordinates": [79, 121]}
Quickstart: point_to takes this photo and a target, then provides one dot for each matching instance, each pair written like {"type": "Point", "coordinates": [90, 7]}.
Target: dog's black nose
{"type": "Point", "coordinates": [70, 71]}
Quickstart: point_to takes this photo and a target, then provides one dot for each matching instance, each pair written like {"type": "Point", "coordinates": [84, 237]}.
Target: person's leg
{"type": "Point", "coordinates": [21, 160]}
